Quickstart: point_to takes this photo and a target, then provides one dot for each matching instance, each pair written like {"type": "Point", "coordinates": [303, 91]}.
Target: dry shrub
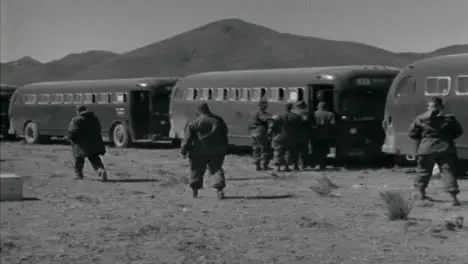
{"type": "Point", "coordinates": [325, 186]}
{"type": "Point", "coordinates": [398, 204]}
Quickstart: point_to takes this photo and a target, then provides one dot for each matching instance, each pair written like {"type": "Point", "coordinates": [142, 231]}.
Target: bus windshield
{"type": "Point", "coordinates": [364, 104]}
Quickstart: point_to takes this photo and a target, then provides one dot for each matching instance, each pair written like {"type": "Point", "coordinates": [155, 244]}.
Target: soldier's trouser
{"type": "Point", "coordinates": [261, 150]}
{"type": "Point", "coordinates": [95, 161]}
{"type": "Point", "coordinates": [279, 153]}
{"type": "Point", "coordinates": [302, 148]}
{"type": "Point", "coordinates": [198, 164]}
{"type": "Point", "coordinates": [320, 149]}
{"type": "Point", "coordinates": [447, 165]}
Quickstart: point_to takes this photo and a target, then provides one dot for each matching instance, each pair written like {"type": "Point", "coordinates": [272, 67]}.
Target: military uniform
{"type": "Point", "coordinates": [206, 142]}
{"type": "Point", "coordinates": [436, 133]}
{"type": "Point", "coordinates": [304, 135]}
{"type": "Point", "coordinates": [323, 134]}
{"type": "Point", "coordinates": [258, 129]}
{"type": "Point", "coordinates": [85, 135]}
{"type": "Point", "coordinates": [284, 130]}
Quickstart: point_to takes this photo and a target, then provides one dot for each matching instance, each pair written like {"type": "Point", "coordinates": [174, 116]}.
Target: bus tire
{"type": "Point", "coordinates": [31, 133]}
{"type": "Point", "coordinates": [120, 136]}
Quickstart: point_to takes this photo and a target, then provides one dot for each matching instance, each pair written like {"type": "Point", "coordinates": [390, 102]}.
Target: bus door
{"type": "Point", "coordinates": [160, 121]}
{"type": "Point", "coordinates": [322, 92]}
{"type": "Point", "coordinates": [139, 113]}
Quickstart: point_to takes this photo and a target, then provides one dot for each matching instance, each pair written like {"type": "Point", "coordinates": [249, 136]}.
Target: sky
{"type": "Point", "coordinates": [50, 29]}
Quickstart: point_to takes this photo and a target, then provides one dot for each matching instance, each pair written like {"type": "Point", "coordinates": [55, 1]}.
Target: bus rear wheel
{"type": "Point", "coordinates": [120, 136]}
{"type": "Point", "coordinates": [31, 133]}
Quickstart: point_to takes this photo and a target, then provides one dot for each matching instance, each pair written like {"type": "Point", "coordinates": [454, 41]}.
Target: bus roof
{"type": "Point", "coordinates": [104, 85]}
{"type": "Point", "coordinates": [298, 75]}
{"type": "Point", "coordinates": [454, 60]}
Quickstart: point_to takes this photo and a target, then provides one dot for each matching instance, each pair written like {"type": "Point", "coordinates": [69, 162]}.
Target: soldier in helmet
{"type": "Point", "coordinates": [303, 137]}
{"type": "Point", "coordinates": [436, 131]}
{"type": "Point", "coordinates": [324, 131]}
{"type": "Point", "coordinates": [206, 142]}
{"type": "Point", "coordinates": [284, 130]}
{"type": "Point", "coordinates": [258, 129]}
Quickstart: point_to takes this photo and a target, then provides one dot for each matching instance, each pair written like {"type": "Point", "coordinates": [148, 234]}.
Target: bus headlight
{"type": "Point", "coordinates": [353, 131]}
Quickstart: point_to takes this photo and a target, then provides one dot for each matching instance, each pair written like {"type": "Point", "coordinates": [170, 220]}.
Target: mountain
{"type": "Point", "coordinates": [227, 44]}
{"type": "Point", "coordinates": [28, 70]}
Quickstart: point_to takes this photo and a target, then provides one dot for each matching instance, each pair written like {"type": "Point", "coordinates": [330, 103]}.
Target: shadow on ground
{"type": "Point", "coordinates": [260, 197]}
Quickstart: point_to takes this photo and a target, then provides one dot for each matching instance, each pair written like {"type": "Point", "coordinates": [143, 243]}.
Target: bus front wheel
{"type": "Point", "coordinates": [31, 133]}
{"type": "Point", "coordinates": [120, 136]}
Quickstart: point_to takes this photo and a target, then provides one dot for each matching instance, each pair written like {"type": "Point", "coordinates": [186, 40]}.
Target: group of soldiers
{"type": "Point", "coordinates": [287, 136]}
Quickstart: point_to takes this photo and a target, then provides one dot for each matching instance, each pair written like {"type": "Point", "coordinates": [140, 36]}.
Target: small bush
{"type": "Point", "coordinates": [398, 205]}
{"type": "Point", "coordinates": [324, 186]}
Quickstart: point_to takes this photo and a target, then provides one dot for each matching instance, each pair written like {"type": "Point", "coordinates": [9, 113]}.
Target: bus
{"type": "Point", "coordinates": [356, 94]}
{"type": "Point", "coordinates": [442, 76]}
{"type": "Point", "coordinates": [130, 110]}
{"type": "Point", "coordinates": [6, 91]}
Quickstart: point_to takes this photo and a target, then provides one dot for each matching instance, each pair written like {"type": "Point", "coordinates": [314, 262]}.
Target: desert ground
{"type": "Point", "coordinates": [146, 214]}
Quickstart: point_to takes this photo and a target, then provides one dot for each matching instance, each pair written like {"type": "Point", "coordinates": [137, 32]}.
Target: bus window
{"type": "Point", "coordinates": [296, 94]}
{"type": "Point", "coordinates": [437, 86]}
{"type": "Point", "coordinates": [89, 98]}
{"type": "Point", "coordinates": [43, 98]}
{"type": "Point", "coordinates": [300, 94]}
{"type": "Point", "coordinates": [103, 98]}
{"type": "Point", "coordinates": [462, 85]}
{"type": "Point", "coordinates": [207, 94]}
{"type": "Point", "coordinates": [219, 94]}
{"type": "Point", "coordinates": [263, 93]}
{"type": "Point", "coordinates": [59, 98]}
{"type": "Point", "coordinates": [235, 93]}
{"type": "Point", "coordinates": [77, 98]}
{"type": "Point", "coordinates": [210, 94]}
{"type": "Point", "coordinates": [245, 94]}
{"type": "Point", "coordinates": [195, 94]}
{"type": "Point", "coordinates": [68, 98]}
{"type": "Point", "coordinates": [405, 87]}
{"type": "Point", "coordinates": [225, 93]}
{"type": "Point", "coordinates": [30, 99]}
{"type": "Point", "coordinates": [118, 98]}
{"type": "Point", "coordinates": [281, 94]}
{"type": "Point", "coordinates": [190, 95]}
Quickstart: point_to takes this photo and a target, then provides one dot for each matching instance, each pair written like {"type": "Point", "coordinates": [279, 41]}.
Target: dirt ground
{"type": "Point", "coordinates": [146, 214]}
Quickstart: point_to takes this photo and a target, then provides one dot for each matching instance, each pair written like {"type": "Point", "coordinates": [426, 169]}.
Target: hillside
{"type": "Point", "coordinates": [27, 70]}
{"type": "Point", "coordinates": [222, 45]}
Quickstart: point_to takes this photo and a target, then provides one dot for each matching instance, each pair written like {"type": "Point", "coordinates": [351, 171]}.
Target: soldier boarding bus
{"type": "Point", "coordinates": [355, 93]}
{"type": "Point", "coordinates": [130, 110]}
{"type": "Point", "coordinates": [6, 91]}
{"type": "Point", "coordinates": [442, 76]}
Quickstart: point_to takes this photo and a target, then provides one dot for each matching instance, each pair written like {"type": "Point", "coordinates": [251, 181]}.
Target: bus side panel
{"type": "Point", "coordinates": [457, 106]}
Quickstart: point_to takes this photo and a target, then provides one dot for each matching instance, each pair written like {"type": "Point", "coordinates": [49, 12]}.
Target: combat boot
{"type": "Point", "coordinates": [455, 202]}
{"type": "Point", "coordinates": [257, 166]}
{"type": "Point", "coordinates": [194, 193]}
{"type": "Point", "coordinates": [79, 176]}
{"type": "Point", "coordinates": [220, 194]}
{"type": "Point", "coordinates": [103, 174]}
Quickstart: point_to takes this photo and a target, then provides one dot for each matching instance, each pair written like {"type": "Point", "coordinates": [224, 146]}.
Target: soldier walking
{"type": "Point", "coordinates": [284, 130]}
{"type": "Point", "coordinates": [303, 137]}
{"type": "Point", "coordinates": [436, 131]}
{"type": "Point", "coordinates": [206, 143]}
{"type": "Point", "coordinates": [258, 129]}
{"type": "Point", "coordinates": [85, 135]}
{"type": "Point", "coordinates": [323, 135]}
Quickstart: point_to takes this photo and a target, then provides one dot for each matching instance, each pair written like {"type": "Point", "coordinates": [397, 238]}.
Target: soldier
{"type": "Point", "coordinates": [206, 143]}
{"type": "Point", "coordinates": [436, 132]}
{"type": "Point", "coordinates": [85, 135]}
{"type": "Point", "coordinates": [303, 138]}
{"type": "Point", "coordinates": [258, 129]}
{"type": "Point", "coordinates": [284, 130]}
{"type": "Point", "coordinates": [324, 131]}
